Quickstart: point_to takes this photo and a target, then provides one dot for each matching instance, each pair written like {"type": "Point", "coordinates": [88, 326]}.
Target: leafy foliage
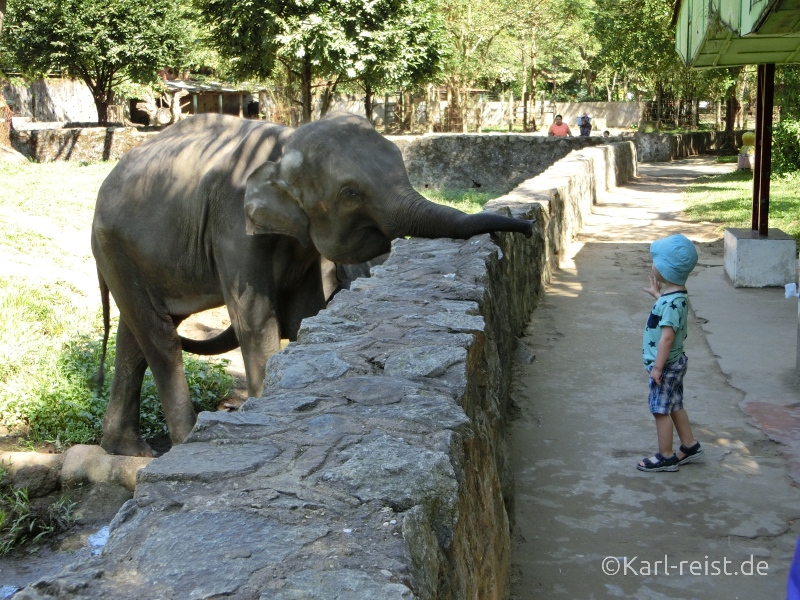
{"type": "Point", "coordinates": [376, 40]}
{"type": "Point", "coordinates": [101, 42]}
{"type": "Point", "coordinates": [786, 147]}
{"type": "Point", "coordinates": [66, 406]}
{"type": "Point", "coordinates": [21, 524]}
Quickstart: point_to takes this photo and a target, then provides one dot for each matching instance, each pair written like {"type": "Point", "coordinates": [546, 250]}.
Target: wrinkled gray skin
{"type": "Point", "coordinates": [218, 210]}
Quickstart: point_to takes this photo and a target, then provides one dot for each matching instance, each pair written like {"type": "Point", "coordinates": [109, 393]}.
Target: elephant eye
{"type": "Point", "coordinates": [348, 194]}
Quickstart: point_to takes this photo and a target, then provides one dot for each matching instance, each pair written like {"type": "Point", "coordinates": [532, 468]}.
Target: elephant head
{"type": "Point", "coordinates": [343, 187]}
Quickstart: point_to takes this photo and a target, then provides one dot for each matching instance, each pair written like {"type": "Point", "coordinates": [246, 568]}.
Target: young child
{"type": "Point", "coordinates": [674, 257]}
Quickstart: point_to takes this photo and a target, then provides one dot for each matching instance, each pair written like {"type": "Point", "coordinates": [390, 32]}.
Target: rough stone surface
{"type": "Point", "coordinates": [10, 155]}
{"type": "Point", "coordinates": [483, 161]}
{"type": "Point", "coordinates": [92, 464]}
{"type": "Point", "coordinates": [664, 147]}
{"type": "Point", "coordinates": [84, 143]}
{"type": "Point", "coordinates": [375, 465]}
{"type": "Point", "coordinates": [47, 99]}
{"type": "Point", "coordinates": [39, 473]}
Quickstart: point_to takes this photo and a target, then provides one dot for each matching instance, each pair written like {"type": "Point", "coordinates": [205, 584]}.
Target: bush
{"type": "Point", "coordinates": [786, 147]}
{"type": "Point", "coordinates": [61, 401]}
{"type": "Point", "coordinates": [72, 409]}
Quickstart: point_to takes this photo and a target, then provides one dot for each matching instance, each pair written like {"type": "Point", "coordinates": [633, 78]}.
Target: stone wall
{"type": "Point", "coordinates": [75, 143]}
{"type": "Point", "coordinates": [52, 100]}
{"type": "Point", "coordinates": [375, 465]}
{"type": "Point", "coordinates": [485, 161]}
{"type": "Point", "coordinates": [664, 147]}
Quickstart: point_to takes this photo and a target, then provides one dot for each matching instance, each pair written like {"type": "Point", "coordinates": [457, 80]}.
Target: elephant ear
{"type": "Point", "coordinates": [270, 206]}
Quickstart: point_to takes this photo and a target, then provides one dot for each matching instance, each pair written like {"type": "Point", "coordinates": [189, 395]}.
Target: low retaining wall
{"type": "Point", "coordinates": [664, 147]}
{"type": "Point", "coordinates": [485, 161]}
{"type": "Point", "coordinates": [77, 143]}
{"type": "Point", "coordinates": [375, 465]}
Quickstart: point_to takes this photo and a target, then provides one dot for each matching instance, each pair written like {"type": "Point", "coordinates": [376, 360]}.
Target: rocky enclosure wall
{"type": "Point", "coordinates": [664, 147]}
{"type": "Point", "coordinates": [482, 161]}
{"type": "Point", "coordinates": [77, 143]}
{"type": "Point", "coordinates": [375, 465]}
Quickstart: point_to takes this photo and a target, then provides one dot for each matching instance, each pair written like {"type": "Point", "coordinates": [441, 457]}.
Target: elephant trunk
{"type": "Point", "coordinates": [419, 217]}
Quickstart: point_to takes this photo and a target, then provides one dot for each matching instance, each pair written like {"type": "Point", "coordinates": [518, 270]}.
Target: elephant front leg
{"type": "Point", "coordinates": [121, 433]}
{"type": "Point", "coordinates": [257, 329]}
{"type": "Point", "coordinates": [257, 347]}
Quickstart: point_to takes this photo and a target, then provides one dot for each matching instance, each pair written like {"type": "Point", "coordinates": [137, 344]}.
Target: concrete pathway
{"type": "Point", "coordinates": [587, 523]}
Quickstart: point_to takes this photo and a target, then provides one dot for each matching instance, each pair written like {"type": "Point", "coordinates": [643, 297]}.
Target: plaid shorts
{"type": "Point", "coordinates": [668, 397]}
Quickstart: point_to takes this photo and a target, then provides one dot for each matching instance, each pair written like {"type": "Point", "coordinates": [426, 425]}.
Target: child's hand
{"type": "Point", "coordinates": [656, 374]}
{"type": "Point", "coordinates": [654, 289]}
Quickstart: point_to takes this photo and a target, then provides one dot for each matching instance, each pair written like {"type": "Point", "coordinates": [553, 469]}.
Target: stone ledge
{"type": "Point", "coordinates": [375, 465]}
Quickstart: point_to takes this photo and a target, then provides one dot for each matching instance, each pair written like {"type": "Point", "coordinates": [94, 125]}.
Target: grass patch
{"type": "Point", "coordinates": [727, 199]}
{"type": "Point", "coordinates": [21, 523]}
{"type": "Point", "coordinates": [469, 201]}
{"type": "Point", "coordinates": [50, 324]}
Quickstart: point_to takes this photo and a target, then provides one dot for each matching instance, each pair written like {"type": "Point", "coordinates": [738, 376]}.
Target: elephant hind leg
{"type": "Point", "coordinates": [146, 336]}
{"type": "Point", "coordinates": [121, 433]}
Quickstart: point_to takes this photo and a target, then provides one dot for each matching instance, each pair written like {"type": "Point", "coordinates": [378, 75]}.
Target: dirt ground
{"type": "Point", "coordinates": [588, 524]}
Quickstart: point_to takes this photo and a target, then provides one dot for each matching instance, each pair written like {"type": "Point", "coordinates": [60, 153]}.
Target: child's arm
{"type": "Point", "coordinates": [664, 347]}
{"type": "Point", "coordinates": [655, 287]}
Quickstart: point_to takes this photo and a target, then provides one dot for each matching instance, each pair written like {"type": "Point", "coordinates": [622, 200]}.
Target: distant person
{"type": "Point", "coordinates": [674, 257]}
{"type": "Point", "coordinates": [559, 129]}
{"type": "Point", "coordinates": [606, 134]}
{"type": "Point", "coordinates": [585, 125]}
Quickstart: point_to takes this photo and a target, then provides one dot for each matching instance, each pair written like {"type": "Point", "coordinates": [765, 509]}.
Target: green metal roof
{"type": "Point", "coordinates": [729, 33]}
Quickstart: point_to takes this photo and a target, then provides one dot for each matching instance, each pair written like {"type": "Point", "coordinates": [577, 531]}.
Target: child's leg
{"type": "Point", "coordinates": [664, 431]}
{"type": "Point", "coordinates": [681, 420]}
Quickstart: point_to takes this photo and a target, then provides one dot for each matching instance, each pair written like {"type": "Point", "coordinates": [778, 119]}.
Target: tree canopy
{"type": "Point", "coordinates": [102, 42]}
{"type": "Point", "coordinates": [377, 42]}
{"type": "Point", "coordinates": [306, 50]}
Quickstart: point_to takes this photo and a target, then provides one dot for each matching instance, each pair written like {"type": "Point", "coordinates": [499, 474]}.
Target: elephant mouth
{"type": "Point", "coordinates": [360, 247]}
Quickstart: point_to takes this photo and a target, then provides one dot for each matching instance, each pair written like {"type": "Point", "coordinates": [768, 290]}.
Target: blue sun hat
{"type": "Point", "coordinates": [674, 257]}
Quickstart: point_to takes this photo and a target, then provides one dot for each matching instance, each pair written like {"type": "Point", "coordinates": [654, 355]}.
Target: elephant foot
{"type": "Point", "coordinates": [126, 445]}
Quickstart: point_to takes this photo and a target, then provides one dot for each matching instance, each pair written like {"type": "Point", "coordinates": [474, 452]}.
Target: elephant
{"type": "Point", "coordinates": [218, 210]}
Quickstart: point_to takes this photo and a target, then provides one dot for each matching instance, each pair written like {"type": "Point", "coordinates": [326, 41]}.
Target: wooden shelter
{"type": "Point", "coordinates": [728, 33]}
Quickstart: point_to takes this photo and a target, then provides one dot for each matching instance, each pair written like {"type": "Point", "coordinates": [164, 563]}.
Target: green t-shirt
{"type": "Point", "coordinates": [670, 310]}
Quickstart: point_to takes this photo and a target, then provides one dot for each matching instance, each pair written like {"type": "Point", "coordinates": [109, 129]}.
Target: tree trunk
{"type": "Point", "coordinates": [101, 103]}
{"type": "Point", "coordinates": [431, 107]}
{"type": "Point", "coordinates": [2, 13]}
{"type": "Point", "coordinates": [462, 110]}
{"type": "Point", "coordinates": [368, 101]}
{"type": "Point", "coordinates": [412, 120]}
{"type": "Point", "coordinates": [327, 97]}
{"type": "Point", "coordinates": [731, 111]}
{"type": "Point", "coordinates": [305, 83]}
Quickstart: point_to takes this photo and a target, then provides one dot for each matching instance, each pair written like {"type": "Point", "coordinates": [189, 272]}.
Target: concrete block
{"type": "Point", "coordinates": [755, 261]}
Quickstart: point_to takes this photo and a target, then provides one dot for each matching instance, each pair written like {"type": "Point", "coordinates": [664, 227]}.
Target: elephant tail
{"type": "Point", "coordinates": [100, 375]}
{"type": "Point", "coordinates": [224, 342]}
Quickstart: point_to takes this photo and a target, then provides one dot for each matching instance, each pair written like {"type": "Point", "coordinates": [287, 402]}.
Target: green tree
{"type": "Point", "coordinates": [102, 42]}
{"type": "Point", "coordinates": [321, 40]}
{"type": "Point", "coordinates": [399, 50]}
{"type": "Point", "coordinates": [474, 28]}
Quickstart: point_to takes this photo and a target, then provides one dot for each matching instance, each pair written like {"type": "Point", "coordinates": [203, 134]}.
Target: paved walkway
{"type": "Point", "coordinates": [583, 421]}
